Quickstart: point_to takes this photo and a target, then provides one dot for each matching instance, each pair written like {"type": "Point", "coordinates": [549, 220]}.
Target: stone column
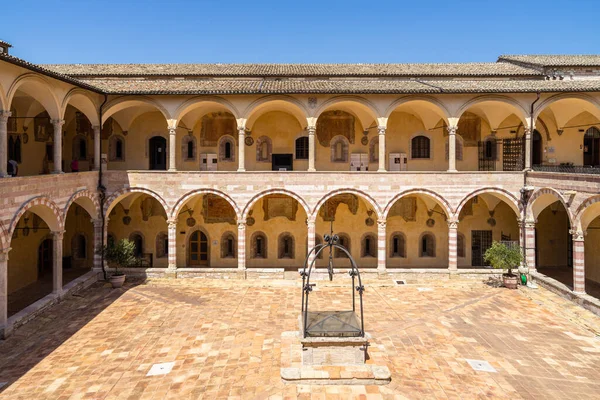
{"type": "Point", "coordinates": [530, 245]}
{"type": "Point", "coordinates": [172, 149]}
{"type": "Point", "coordinates": [453, 244]}
{"type": "Point", "coordinates": [311, 148]}
{"type": "Point", "coordinates": [172, 250]}
{"type": "Point", "coordinates": [451, 148]}
{"type": "Point", "coordinates": [3, 291]}
{"type": "Point", "coordinates": [241, 149]}
{"type": "Point", "coordinates": [97, 147]}
{"type": "Point", "coordinates": [57, 263]}
{"type": "Point", "coordinates": [310, 225]}
{"type": "Point", "coordinates": [527, 149]}
{"type": "Point", "coordinates": [578, 262]}
{"type": "Point", "coordinates": [381, 130]}
{"type": "Point", "coordinates": [58, 124]}
{"type": "Point", "coordinates": [241, 245]}
{"type": "Point", "coordinates": [4, 143]}
{"type": "Point", "coordinates": [97, 245]}
{"type": "Point", "coordinates": [381, 243]}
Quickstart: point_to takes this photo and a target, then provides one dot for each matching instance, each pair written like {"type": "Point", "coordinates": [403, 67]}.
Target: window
{"type": "Point", "coordinates": [344, 241]}
{"type": "Point", "coordinates": [263, 149]}
{"type": "Point", "coordinates": [79, 148]}
{"type": "Point", "coordinates": [460, 245]}
{"type": "Point", "coordinates": [369, 246]}
{"type": "Point", "coordinates": [339, 149]}
{"type": "Point", "coordinates": [427, 245]}
{"type": "Point", "coordinates": [162, 245]}
{"type": "Point", "coordinates": [302, 148]}
{"type": "Point", "coordinates": [398, 245]}
{"type": "Point", "coordinates": [286, 245]}
{"type": "Point", "coordinates": [489, 149]}
{"type": "Point", "coordinates": [259, 245]}
{"type": "Point", "coordinates": [79, 247]}
{"type": "Point", "coordinates": [14, 148]}
{"type": "Point", "coordinates": [420, 147]}
{"type": "Point", "coordinates": [226, 147]}
{"type": "Point", "coordinates": [116, 148]}
{"type": "Point", "coordinates": [228, 247]}
{"type": "Point", "coordinates": [138, 241]}
{"type": "Point", "coordinates": [188, 148]}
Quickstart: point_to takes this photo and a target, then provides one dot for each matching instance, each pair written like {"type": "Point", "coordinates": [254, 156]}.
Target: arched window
{"type": "Point", "coordinates": [79, 247]}
{"type": "Point", "coordinates": [459, 148]}
{"type": "Point", "coordinates": [286, 245]}
{"type": "Point", "coordinates": [79, 148]}
{"type": "Point", "coordinates": [339, 149]}
{"type": "Point", "coordinates": [226, 146]}
{"type": "Point", "coordinates": [460, 245]}
{"type": "Point", "coordinates": [489, 149]}
{"type": "Point", "coordinates": [302, 148]}
{"type": "Point", "coordinates": [188, 148]}
{"type": "Point", "coordinates": [369, 246]}
{"type": "Point", "coordinates": [259, 245]}
{"type": "Point", "coordinates": [344, 241]}
{"type": "Point", "coordinates": [427, 245]}
{"type": "Point", "coordinates": [162, 245]}
{"type": "Point", "coordinates": [397, 245]}
{"type": "Point", "coordinates": [591, 147]}
{"type": "Point", "coordinates": [374, 149]}
{"type": "Point", "coordinates": [116, 148]}
{"type": "Point", "coordinates": [420, 147]}
{"type": "Point", "coordinates": [228, 246]}
{"type": "Point", "coordinates": [263, 149]}
{"type": "Point", "coordinates": [138, 241]}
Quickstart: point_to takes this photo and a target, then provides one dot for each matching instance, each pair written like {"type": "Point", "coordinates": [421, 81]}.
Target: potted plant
{"type": "Point", "coordinates": [121, 255]}
{"type": "Point", "coordinates": [501, 256]}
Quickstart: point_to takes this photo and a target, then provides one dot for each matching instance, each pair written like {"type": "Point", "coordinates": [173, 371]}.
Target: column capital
{"type": "Point", "coordinates": [58, 235]}
{"type": "Point", "coordinates": [4, 254]}
{"type": "Point", "coordinates": [310, 222]}
{"type": "Point", "coordinates": [4, 115]}
{"type": "Point", "coordinates": [452, 223]}
{"type": "Point", "coordinates": [312, 129]}
{"type": "Point", "coordinates": [241, 124]}
{"type": "Point", "coordinates": [241, 224]}
{"type": "Point", "coordinates": [381, 223]}
{"type": "Point", "coordinates": [527, 131]}
{"type": "Point", "coordinates": [97, 222]}
{"type": "Point", "coordinates": [381, 130]}
{"type": "Point", "coordinates": [452, 129]}
{"type": "Point", "coordinates": [529, 224]}
{"type": "Point", "coordinates": [58, 123]}
{"type": "Point", "coordinates": [172, 131]}
{"type": "Point", "coordinates": [172, 223]}
{"type": "Point", "coordinates": [578, 236]}
{"type": "Point", "coordinates": [96, 128]}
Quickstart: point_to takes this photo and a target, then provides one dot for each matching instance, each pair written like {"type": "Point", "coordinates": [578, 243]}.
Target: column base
{"type": "Point", "coordinates": [382, 170]}
{"type": "Point", "coordinates": [172, 170]}
{"type": "Point", "coordinates": [452, 170]}
{"type": "Point", "coordinates": [56, 172]}
{"type": "Point", "coordinates": [241, 170]}
{"type": "Point", "coordinates": [311, 170]}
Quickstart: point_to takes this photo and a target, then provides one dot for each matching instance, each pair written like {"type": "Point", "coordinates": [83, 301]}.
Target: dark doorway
{"type": "Point", "coordinates": [158, 153]}
{"type": "Point", "coordinates": [198, 249]}
{"type": "Point", "coordinates": [45, 258]}
{"type": "Point", "coordinates": [591, 147]}
{"type": "Point", "coordinates": [480, 242]}
{"type": "Point", "coordinates": [282, 162]}
{"type": "Point", "coordinates": [536, 148]}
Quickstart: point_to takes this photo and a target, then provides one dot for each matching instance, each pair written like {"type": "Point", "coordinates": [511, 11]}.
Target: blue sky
{"type": "Point", "coordinates": [90, 31]}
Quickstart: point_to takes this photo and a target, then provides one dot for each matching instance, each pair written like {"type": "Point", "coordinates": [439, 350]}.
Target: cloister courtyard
{"type": "Point", "coordinates": [224, 338]}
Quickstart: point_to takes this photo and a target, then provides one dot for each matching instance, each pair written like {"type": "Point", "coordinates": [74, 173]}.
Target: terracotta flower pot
{"type": "Point", "coordinates": [117, 280]}
{"type": "Point", "coordinates": [510, 281]}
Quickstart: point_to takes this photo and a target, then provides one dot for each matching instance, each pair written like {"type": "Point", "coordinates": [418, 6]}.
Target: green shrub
{"type": "Point", "coordinates": [121, 254]}
{"type": "Point", "coordinates": [501, 256]}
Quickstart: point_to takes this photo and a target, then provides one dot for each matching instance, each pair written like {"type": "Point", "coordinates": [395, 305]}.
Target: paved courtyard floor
{"type": "Point", "coordinates": [224, 338]}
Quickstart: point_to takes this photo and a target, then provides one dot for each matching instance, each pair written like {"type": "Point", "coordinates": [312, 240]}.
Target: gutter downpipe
{"type": "Point", "coordinates": [102, 191]}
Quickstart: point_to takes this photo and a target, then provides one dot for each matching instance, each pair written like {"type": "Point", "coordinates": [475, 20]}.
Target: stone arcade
{"type": "Point", "coordinates": [230, 170]}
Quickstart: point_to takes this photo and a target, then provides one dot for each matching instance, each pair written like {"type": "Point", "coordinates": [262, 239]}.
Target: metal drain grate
{"type": "Point", "coordinates": [481, 365]}
{"type": "Point", "coordinates": [400, 282]}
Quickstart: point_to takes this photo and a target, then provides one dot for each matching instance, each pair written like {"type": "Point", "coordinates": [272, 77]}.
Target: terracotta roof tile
{"type": "Point", "coordinates": [547, 60]}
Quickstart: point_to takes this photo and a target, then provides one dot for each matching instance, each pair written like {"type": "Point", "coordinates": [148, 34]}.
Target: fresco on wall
{"type": "Point", "coordinates": [43, 128]}
{"type": "Point", "coordinates": [406, 208]}
{"type": "Point", "coordinates": [469, 128]}
{"type": "Point", "coordinates": [216, 209]}
{"type": "Point", "coordinates": [280, 206]}
{"type": "Point", "coordinates": [215, 125]}
{"type": "Point", "coordinates": [333, 123]}
{"type": "Point", "coordinates": [328, 210]}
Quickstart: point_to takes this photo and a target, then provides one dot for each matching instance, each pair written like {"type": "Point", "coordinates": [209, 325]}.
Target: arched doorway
{"type": "Point", "coordinates": [536, 148]}
{"type": "Point", "coordinates": [45, 258]}
{"type": "Point", "coordinates": [158, 153]}
{"type": "Point", "coordinates": [198, 248]}
{"type": "Point", "coordinates": [591, 147]}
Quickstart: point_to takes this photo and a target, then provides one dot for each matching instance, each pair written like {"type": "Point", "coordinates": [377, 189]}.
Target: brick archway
{"type": "Point", "coordinates": [45, 209]}
{"type": "Point", "coordinates": [92, 206]}
{"type": "Point", "coordinates": [182, 200]}
{"type": "Point", "coordinates": [114, 199]}
{"type": "Point", "coordinates": [502, 194]}
{"type": "Point", "coordinates": [544, 191]}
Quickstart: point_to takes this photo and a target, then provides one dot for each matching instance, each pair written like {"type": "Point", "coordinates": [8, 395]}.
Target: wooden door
{"type": "Point", "coordinates": [198, 249]}
{"type": "Point", "coordinates": [158, 153]}
{"type": "Point", "coordinates": [45, 258]}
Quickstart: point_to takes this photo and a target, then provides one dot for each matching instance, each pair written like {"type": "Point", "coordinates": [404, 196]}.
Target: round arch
{"type": "Point", "coordinates": [440, 200]}
{"type": "Point", "coordinates": [3, 99]}
{"type": "Point", "coordinates": [587, 212]}
{"type": "Point", "coordinates": [124, 102]}
{"type": "Point", "coordinates": [517, 107]}
{"type": "Point", "coordinates": [350, 103]}
{"type": "Point", "coordinates": [205, 102]}
{"type": "Point", "coordinates": [262, 194]}
{"type": "Point", "coordinates": [358, 193]}
{"type": "Point", "coordinates": [81, 100]}
{"type": "Point", "coordinates": [37, 88]}
{"type": "Point", "coordinates": [116, 197]}
{"type": "Point", "coordinates": [87, 200]}
{"type": "Point", "coordinates": [501, 194]}
{"type": "Point", "coordinates": [285, 104]}
{"type": "Point", "coordinates": [541, 199]}
{"type": "Point", "coordinates": [4, 238]}
{"type": "Point", "coordinates": [567, 96]}
{"type": "Point", "coordinates": [45, 208]}
{"type": "Point", "coordinates": [432, 102]}
{"type": "Point", "coordinates": [188, 196]}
